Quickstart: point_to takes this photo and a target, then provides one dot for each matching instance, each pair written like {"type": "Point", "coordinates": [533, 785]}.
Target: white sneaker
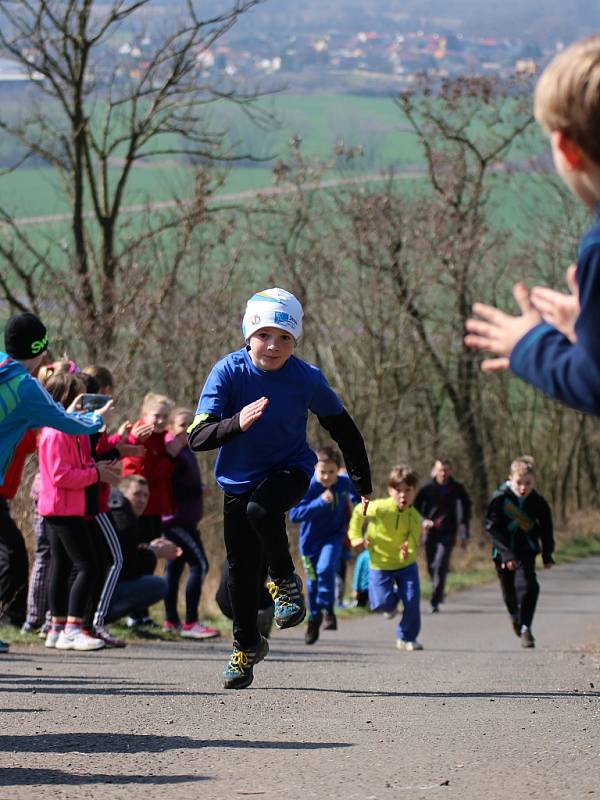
{"type": "Point", "coordinates": [78, 640]}
{"type": "Point", "coordinates": [52, 638]}
{"type": "Point", "coordinates": [402, 645]}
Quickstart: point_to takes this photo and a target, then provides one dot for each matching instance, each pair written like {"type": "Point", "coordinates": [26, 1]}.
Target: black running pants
{"type": "Point", "coordinates": [254, 523]}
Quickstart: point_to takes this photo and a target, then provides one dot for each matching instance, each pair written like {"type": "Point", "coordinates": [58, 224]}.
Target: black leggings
{"type": "Point", "coordinates": [71, 544]}
{"type": "Point", "coordinates": [520, 589]}
{"type": "Point", "coordinates": [254, 523]}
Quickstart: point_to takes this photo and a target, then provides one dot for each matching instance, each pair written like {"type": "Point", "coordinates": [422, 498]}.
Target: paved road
{"type": "Point", "coordinates": [473, 716]}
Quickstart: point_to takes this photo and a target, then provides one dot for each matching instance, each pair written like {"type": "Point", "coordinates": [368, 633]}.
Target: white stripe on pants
{"type": "Point", "coordinates": [110, 584]}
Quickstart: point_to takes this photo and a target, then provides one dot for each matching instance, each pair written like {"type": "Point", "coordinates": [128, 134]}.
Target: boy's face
{"type": "Point", "coordinates": [326, 472]}
{"type": "Point", "coordinates": [181, 423]}
{"type": "Point", "coordinates": [522, 483]}
{"type": "Point", "coordinates": [157, 415]}
{"type": "Point", "coordinates": [571, 165]}
{"type": "Point", "coordinates": [270, 348]}
{"type": "Point", "coordinates": [403, 495]}
{"type": "Point", "coordinates": [138, 495]}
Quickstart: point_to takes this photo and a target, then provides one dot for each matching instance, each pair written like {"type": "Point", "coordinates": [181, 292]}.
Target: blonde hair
{"type": "Point", "coordinates": [152, 399]}
{"type": "Point", "coordinates": [178, 411]}
{"type": "Point", "coordinates": [523, 465]}
{"type": "Point", "coordinates": [401, 473]}
{"type": "Point", "coordinates": [567, 96]}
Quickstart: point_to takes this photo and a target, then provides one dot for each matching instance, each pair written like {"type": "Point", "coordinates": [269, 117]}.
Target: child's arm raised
{"type": "Point", "coordinates": [311, 505]}
{"type": "Point", "coordinates": [208, 432]}
{"type": "Point", "coordinates": [343, 430]}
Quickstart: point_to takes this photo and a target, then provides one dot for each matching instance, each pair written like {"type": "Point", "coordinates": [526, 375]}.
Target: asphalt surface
{"type": "Point", "coordinates": [472, 716]}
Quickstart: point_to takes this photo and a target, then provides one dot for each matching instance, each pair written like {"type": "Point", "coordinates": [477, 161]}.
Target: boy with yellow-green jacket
{"type": "Point", "coordinates": [392, 531]}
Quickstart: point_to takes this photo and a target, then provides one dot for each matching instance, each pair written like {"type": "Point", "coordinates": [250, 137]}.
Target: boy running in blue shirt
{"type": "Point", "coordinates": [323, 517]}
{"type": "Point", "coordinates": [254, 407]}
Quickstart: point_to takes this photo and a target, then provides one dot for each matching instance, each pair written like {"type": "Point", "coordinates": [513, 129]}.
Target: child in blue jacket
{"type": "Point", "coordinates": [323, 517]}
{"type": "Point", "coordinates": [24, 403]}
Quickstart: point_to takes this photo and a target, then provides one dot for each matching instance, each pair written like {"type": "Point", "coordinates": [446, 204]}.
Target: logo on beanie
{"type": "Point", "coordinates": [255, 319]}
{"type": "Point", "coordinates": [39, 345]}
{"type": "Point", "coordinates": [283, 318]}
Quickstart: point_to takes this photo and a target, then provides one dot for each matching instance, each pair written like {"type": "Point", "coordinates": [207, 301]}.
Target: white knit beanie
{"type": "Point", "coordinates": [273, 308]}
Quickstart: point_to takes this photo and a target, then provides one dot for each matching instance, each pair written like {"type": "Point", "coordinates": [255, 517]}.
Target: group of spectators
{"type": "Point", "coordinates": [106, 505]}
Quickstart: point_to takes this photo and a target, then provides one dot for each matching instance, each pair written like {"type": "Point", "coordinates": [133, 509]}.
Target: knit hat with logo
{"type": "Point", "coordinates": [25, 336]}
{"type": "Point", "coordinates": [273, 308]}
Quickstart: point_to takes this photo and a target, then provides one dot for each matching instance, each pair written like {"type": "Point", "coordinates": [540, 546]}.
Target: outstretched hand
{"type": "Point", "coordinates": [497, 332]}
{"type": "Point", "coordinates": [252, 412]}
{"type": "Point", "coordinates": [559, 309]}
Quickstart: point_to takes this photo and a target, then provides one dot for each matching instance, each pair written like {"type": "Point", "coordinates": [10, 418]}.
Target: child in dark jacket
{"type": "Point", "coordinates": [518, 520]}
{"type": "Point", "coordinates": [181, 527]}
{"type": "Point", "coordinates": [323, 517]}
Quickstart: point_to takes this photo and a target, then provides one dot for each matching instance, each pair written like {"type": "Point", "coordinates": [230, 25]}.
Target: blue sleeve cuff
{"type": "Point", "coordinates": [525, 343]}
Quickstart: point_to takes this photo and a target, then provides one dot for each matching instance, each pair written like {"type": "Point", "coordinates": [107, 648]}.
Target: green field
{"type": "Point", "coordinates": [376, 124]}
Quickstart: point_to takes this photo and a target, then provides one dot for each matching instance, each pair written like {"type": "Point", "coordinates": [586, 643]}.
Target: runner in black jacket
{"type": "Point", "coordinates": [519, 523]}
{"type": "Point", "coordinates": [446, 510]}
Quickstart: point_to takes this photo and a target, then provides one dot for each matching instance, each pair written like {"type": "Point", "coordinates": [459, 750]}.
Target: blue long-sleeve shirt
{"type": "Point", "coordinates": [24, 403]}
{"type": "Point", "coordinates": [547, 359]}
{"type": "Point", "coordinates": [322, 522]}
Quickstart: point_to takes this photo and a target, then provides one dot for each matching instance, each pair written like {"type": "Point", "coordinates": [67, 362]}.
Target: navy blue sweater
{"type": "Point", "coordinates": [547, 359]}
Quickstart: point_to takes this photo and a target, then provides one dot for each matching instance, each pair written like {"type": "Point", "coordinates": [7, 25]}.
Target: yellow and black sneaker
{"type": "Point", "coordinates": [239, 672]}
{"type": "Point", "coordinates": [290, 608]}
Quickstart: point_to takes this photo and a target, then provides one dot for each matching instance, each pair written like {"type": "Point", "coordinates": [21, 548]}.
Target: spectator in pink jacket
{"type": "Point", "coordinates": [68, 502]}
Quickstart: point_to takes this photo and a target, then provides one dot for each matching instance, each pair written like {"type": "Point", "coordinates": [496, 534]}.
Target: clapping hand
{"type": "Point", "coordinates": [558, 308]}
{"type": "Point", "coordinates": [496, 332]}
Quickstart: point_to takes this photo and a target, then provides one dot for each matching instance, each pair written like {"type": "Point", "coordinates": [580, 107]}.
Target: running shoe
{"type": "Point", "coordinates": [196, 630]}
{"type": "Point", "coordinates": [516, 626]}
{"type": "Point", "coordinates": [312, 629]}
{"type": "Point", "coordinates": [239, 672]}
{"type": "Point", "coordinates": [527, 639]}
{"type": "Point", "coordinates": [52, 638]}
{"type": "Point", "coordinates": [401, 644]}
{"type": "Point", "coordinates": [290, 608]}
{"type": "Point", "coordinates": [3, 647]}
{"type": "Point", "coordinates": [171, 627]}
{"type": "Point", "coordinates": [109, 639]}
{"type": "Point", "coordinates": [78, 640]}
{"type": "Point", "coordinates": [141, 622]}
{"type": "Point", "coordinates": [390, 614]}
{"type": "Point", "coordinates": [329, 621]}
{"type": "Point", "coordinates": [27, 627]}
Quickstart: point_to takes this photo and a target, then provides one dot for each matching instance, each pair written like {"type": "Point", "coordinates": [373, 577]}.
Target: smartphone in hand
{"type": "Point", "coordinates": [92, 402]}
